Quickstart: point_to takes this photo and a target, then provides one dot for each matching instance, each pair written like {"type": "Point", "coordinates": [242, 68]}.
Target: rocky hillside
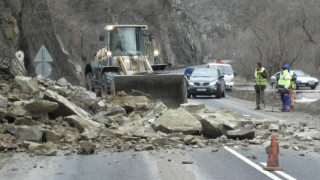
{"type": "Point", "coordinates": [187, 32]}
{"type": "Point", "coordinates": [68, 27]}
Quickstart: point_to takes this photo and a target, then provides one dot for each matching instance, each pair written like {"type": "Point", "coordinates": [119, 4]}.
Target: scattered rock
{"type": "Point", "coordinates": [41, 116]}
{"type": "Point", "coordinates": [86, 147]}
{"type": "Point", "coordinates": [187, 162]}
{"type": "Point", "coordinates": [215, 150]}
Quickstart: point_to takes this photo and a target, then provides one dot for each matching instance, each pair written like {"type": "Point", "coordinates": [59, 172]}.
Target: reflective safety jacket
{"type": "Point", "coordinates": [285, 79]}
{"type": "Point", "coordinates": [293, 79]}
{"type": "Point", "coordinates": [260, 80]}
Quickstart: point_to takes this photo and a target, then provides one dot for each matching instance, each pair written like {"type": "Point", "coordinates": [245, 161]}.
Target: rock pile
{"type": "Point", "coordinates": [44, 117]}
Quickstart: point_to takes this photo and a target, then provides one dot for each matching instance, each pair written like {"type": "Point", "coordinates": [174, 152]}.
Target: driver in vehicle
{"type": "Point", "coordinates": [122, 44]}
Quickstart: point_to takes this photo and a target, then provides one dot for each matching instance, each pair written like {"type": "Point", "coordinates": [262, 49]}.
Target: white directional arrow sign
{"type": "Point", "coordinates": [43, 55]}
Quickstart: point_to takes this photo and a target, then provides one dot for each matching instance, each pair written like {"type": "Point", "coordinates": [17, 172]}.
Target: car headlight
{"type": "Point", "coordinates": [190, 83]}
{"type": "Point", "coordinates": [213, 83]}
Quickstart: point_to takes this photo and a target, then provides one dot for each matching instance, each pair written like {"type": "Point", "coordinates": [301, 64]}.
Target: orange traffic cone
{"type": "Point", "coordinates": [273, 163]}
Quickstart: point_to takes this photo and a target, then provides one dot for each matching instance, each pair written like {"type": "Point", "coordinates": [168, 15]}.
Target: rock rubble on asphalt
{"type": "Point", "coordinates": [44, 117]}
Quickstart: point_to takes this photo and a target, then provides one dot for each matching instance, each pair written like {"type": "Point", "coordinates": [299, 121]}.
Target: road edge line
{"type": "Point", "coordinates": [267, 173]}
{"type": "Point", "coordinates": [283, 174]}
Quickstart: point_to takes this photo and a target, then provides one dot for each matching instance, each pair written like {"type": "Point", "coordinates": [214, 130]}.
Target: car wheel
{"type": "Point", "coordinates": [188, 95]}
{"type": "Point", "coordinates": [313, 87]}
{"type": "Point", "coordinates": [194, 95]}
{"type": "Point", "coordinates": [219, 94]}
{"type": "Point", "coordinates": [297, 87]}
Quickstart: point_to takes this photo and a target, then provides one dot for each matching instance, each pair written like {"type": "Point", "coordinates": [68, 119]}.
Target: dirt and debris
{"type": "Point", "coordinates": [44, 117]}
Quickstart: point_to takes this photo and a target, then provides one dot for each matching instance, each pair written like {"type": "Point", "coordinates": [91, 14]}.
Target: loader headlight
{"type": "Point", "coordinates": [109, 27]}
{"type": "Point", "coordinates": [156, 52]}
{"type": "Point", "coordinates": [109, 53]}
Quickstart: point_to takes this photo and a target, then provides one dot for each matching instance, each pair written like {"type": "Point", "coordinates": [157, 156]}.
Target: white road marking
{"type": "Point", "coordinates": [287, 176]}
{"type": "Point", "coordinates": [267, 173]}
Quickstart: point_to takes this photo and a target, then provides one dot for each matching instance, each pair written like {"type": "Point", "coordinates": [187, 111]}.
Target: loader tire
{"type": "Point", "coordinates": [104, 86]}
{"type": "Point", "coordinates": [88, 81]}
{"type": "Point", "coordinates": [106, 82]}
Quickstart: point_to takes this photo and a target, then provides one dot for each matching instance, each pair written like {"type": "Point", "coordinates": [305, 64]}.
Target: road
{"type": "Point", "coordinates": [167, 164]}
{"type": "Point", "coordinates": [303, 94]}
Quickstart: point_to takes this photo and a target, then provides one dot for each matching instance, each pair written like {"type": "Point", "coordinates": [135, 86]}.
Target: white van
{"type": "Point", "coordinates": [227, 71]}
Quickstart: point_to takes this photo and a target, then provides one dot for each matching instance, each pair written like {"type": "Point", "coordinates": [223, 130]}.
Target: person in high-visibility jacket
{"type": "Point", "coordinates": [260, 82]}
{"type": "Point", "coordinates": [284, 88]}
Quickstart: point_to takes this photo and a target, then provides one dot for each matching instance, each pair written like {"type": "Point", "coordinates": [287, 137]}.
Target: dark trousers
{"type": "Point", "coordinates": [259, 94]}
{"type": "Point", "coordinates": [285, 98]}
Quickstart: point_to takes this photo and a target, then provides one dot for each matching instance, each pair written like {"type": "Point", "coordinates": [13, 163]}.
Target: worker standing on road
{"type": "Point", "coordinates": [283, 88]}
{"type": "Point", "coordinates": [260, 82]}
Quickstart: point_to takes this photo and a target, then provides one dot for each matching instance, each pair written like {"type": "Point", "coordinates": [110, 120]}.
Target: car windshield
{"type": "Point", "coordinates": [205, 73]}
{"type": "Point", "coordinates": [224, 69]}
{"type": "Point", "coordinates": [300, 73]}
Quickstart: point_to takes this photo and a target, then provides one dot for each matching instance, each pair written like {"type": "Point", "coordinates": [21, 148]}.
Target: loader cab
{"type": "Point", "coordinates": [125, 40]}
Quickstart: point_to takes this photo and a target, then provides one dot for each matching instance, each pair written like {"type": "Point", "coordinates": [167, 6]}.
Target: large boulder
{"type": "Point", "coordinates": [25, 84]}
{"type": "Point", "coordinates": [211, 128]}
{"type": "Point", "coordinates": [41, 106]}
{"type": "Point", "coordinates": [38, 149]}
{"type": "Point", "coordinates": [29, 133]}
{"type": "Point", "coordinates": [81, 97]}
{"type": "Point", "coordinates": [3, 101]}
{"type": "Point", "coordinates": [215, 124]}
{"type": "Point", "coordinates": [66, 107]}
{"type": "Point", "coordinates": [155, 110]}
{"type": "Point", "coordinates": [50, 135]}
{"type": "Point", "coordinates": [194, 107]}
{"type": "Point", "coordinates": [6, 75]}
{"type": "Point", "coordinates": [127, 101]}
{"type": "Point", "coordinates": [83, 124]}
{"type": "Point", "coordinates": [180, 120]}
{"type": "Point", "coordinates": [18, 109]}
{"type": "Point", "coordinates": [89, 129]}
{"type": "Point", "coordinates": [4, 87]}
{"type": "Point", "coordinates": [114, 110]}
{"type": "Point", "coordinates": [241, 133]}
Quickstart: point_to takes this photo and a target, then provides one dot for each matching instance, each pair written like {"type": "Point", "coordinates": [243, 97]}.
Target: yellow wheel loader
{"type": "Point", "coordinates": [123, 61]}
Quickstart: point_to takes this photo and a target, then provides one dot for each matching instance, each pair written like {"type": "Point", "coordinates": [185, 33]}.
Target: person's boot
{"type": "Point", "coordinates": [257, 108]}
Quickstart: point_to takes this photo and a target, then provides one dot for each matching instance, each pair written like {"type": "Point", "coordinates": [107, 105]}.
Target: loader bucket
{"type": "Point", "coordinates": [169, 88]}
